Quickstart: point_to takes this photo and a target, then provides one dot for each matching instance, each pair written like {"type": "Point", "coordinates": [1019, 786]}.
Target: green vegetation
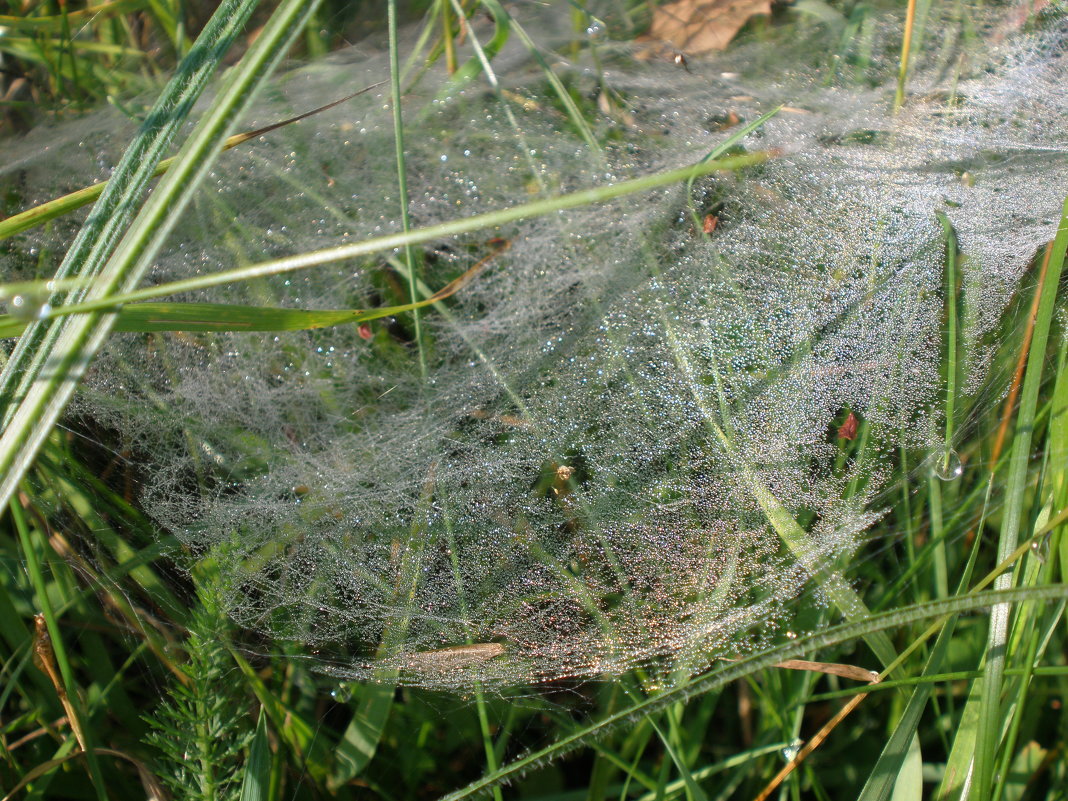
{"type": "Point", "coordinates": [123, 676]}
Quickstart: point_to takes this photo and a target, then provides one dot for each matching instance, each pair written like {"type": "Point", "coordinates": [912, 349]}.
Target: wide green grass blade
{"type": "Point", "coordinates": [255, 786]}
{"type": "Point", "coordinates": [193, 317]}
{"type": "Point", "coordinates": [361, 737]}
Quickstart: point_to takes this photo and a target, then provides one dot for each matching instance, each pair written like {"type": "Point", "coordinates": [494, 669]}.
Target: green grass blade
{"type": "Point", "coordinates": [360, 740]}
{"type": "Point", "coordinates": [257, 781]}
{"type": "Point", "coordinates": [201, 317]}
{"type": "Point", "coordinates": [431, 233]}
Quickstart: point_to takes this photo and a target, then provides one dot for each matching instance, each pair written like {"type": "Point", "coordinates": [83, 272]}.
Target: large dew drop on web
{"type": "Point", "coordinates": [574, 486]}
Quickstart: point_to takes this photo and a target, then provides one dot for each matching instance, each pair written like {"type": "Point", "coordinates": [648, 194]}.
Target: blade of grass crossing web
{"type": "Point", "coordinates": [463, 225]}
{"type": "Point", "coordinates": [990, 719]}
{"type": "Point", "coordinates": [749, 665]}
{"type": "Point", "coordinates": [216, 317]}
{"type": "Point", "coordinates": [118, 201]}
{"type": "Point", "coordinates": [79, 338]}
{"type": "Point", "coordinates": [402, 175]}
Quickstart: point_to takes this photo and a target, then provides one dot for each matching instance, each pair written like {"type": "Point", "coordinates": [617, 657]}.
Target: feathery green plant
{"type": "Point", "coordinates": [202, 728]}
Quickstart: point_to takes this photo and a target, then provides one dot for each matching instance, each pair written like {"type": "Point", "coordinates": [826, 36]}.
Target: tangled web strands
{"type": "Point", "coordinates": [569, 490]}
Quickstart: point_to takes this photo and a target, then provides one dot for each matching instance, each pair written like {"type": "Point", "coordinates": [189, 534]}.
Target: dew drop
{"type": "Point", "coordinates": [948, 466]}
{"type": "Point", "coordinates": [342, 694]}
{"type": "Point", "coordinates": [1040, 549]}
{"type": "Point", "coordinates": [28, 307]}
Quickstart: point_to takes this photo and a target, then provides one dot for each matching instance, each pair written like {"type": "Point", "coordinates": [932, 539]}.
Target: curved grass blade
{"type": "Point", "coordinates": [192, 317]}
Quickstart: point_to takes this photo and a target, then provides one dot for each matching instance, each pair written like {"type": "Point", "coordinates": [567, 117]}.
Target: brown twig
{"type": "Point", "coordinates": [1021, 363]}
{"type": "Point", "coordinates": [847, 671]}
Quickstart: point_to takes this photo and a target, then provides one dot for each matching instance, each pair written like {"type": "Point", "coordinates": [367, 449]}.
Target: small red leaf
{"type": "Point", "coordinates": [848, 429]}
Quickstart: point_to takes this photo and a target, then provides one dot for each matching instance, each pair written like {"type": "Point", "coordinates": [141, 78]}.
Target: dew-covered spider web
{"type": "Point", "coordinates": [560, 473]}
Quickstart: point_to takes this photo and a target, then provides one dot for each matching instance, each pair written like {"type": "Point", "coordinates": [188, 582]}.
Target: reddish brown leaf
{"type": "Point", "coordinates": [848, 429]}
{"type": "Point", "coordinates": [702, 26]}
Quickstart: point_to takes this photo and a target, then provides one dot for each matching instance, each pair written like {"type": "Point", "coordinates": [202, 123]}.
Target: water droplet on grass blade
{"type": "Point", "coordinates": [948, 466]}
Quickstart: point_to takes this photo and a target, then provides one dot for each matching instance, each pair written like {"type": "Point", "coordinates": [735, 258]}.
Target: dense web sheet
{"type": "Point", "coordinates": [569, 491]}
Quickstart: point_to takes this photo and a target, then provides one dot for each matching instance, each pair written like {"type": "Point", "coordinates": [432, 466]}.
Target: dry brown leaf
{"type": "Point", "coordinates": [702, 26]}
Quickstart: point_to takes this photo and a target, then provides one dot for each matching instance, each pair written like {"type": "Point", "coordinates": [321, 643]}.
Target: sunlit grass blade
{"type": "Point", "coordinates": [430, 233]}
{"type": "Point", "coordinates": [145, 317]}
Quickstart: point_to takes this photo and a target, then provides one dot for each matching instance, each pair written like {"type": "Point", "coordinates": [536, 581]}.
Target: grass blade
{"type": "Point", "coordinates": [257, 782]}
{"type": "Point", "coordinates": [144, 317]}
